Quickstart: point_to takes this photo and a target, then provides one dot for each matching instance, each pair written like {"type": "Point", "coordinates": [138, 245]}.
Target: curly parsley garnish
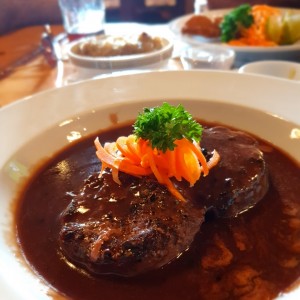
{"type": "Point", "coordinates": [165, 124]}
{"type": "Point", "coordinates": [234, 20]}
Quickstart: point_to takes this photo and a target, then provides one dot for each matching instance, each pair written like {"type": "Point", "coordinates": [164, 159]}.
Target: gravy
{"type": "Point", "coordinates": [253, 256]}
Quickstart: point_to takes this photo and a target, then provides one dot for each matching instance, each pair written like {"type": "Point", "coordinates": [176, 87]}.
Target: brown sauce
{"type": "Point", "coordinates": [253, 256]}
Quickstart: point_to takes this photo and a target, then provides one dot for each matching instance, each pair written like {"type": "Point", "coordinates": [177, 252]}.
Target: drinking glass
{"type": "Point", "coordinates": [82, 17]}
{"type": "Point", "coordinates": [200, 6]}
{"type": "Point", "coordinates": [207, 57]}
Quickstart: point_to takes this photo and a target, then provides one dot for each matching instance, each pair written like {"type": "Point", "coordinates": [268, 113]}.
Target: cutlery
{"type": "Point", "coordinates": [45, 48]}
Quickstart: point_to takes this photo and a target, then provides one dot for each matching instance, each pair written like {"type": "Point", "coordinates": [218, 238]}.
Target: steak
{"type": "Point", "coordinates": [139, 226]}
{"type": "Point", "coordinates": [240, 180]}
{"type": "Point", "coordinates": [128, 229]}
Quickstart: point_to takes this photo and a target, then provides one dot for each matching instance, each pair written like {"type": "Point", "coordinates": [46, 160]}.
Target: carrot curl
{"type": "Point", "coordinates": [135, 157]}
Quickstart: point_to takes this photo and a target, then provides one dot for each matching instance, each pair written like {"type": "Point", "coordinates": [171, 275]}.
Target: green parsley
{"type": "Point", "coordinates": [239, 17]}
{"type": "Point", "coordinates": [165, 124]}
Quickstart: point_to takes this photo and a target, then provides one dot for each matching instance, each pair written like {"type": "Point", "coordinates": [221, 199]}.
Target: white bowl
{"type": "Point", "coordinates": [207, 57]}
{"type": "Point", "coordinates": [266, 107]}
{"type": "Point", "coordinates": [276, 68]}
{"type": "Point", "coordinates": [120, 62]}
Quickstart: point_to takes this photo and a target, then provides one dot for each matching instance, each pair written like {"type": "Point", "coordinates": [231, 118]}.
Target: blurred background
{"type": "Point", "coordinates": [15, 14]}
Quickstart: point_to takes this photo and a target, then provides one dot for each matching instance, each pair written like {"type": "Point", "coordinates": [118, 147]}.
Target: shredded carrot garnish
{"type": "Point", "coordinates": [135, 156]}
{"type": "Point", "coordinates": [255, 35]}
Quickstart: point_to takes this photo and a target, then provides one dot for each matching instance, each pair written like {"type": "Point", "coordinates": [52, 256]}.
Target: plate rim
{"type": "Point", "coordinates": [190, 81]}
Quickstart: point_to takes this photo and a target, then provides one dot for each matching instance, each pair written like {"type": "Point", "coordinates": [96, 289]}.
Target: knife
{"type": "Point", "coordinates": [45, 48]}
{"type": "Point", "coordinates": [20, 62]}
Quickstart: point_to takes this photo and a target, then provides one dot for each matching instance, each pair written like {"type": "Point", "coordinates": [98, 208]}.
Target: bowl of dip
{"type": "Point", "coordinates": [275, 68]}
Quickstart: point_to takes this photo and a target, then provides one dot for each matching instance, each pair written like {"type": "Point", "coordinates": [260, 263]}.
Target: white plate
{"type": "Point", "coordinates": [243, 54]}
{"type": "Point", "coordinates": [36, 127]}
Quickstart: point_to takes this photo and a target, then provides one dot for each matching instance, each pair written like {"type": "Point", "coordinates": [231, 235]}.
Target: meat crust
{"type": "Point", "coordinates": [128, 229]}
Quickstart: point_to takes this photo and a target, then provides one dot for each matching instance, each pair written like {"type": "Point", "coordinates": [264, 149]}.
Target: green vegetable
{"type": "Point", "coordinates": [234, 20]}
{"type": "Point", "coordinates": [165, 124]}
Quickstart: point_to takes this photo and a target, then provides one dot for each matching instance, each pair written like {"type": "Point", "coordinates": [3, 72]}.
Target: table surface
{"type": "Point", "coordinates": [37, 75]}
{"type": "Point", "coordinates": [31, 78]}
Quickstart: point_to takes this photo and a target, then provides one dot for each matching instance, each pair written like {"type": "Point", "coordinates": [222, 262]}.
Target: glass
{"type": "Point", "coordinates": [82, 17]}
{"type": "Point", "coordinates": [207, 57]}
{"type": "Point", "coordinates": [200, 6]}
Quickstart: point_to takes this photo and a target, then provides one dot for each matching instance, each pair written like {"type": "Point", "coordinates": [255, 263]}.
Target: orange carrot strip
{"type": "Point", "coordinates": [107, 160]}
{"type": "Point", "coordinates": [103, 167]}
{"type": "Point", "coordinates": [192, 164]}
{"type": "Point", "coordinates": [115, 175]}
{"type": "Point", "coordinates": [261, 8]}
{"type": "Point", "coordinates": [180, 164]}
{"type": "Point", "coordinates": [188, 164]}
{"type": "Point", "coordinates": [145, 161]}
{"type": "Point", "coordinates": [127, 167]}
{"type": "Point", "coordinates": [213, 160]}
{"type": "Point", "coordinates": [170, 156]}
{"type": "Point", "coordinates": [153, 166]}
{"type": "Point", "coordinates": [133, 146]}
{"type": "Point", "coordinates": [106, 157]}
{"type": "Point", "coordinates": [112, 149]}
{"type": "Point", "coordinates": [121, 144]}
{"type": "Point", "coordinates": [197, 150]}
{"type": "Point", "coordinates": [142, 146]}
{"type": "Point", "coordinates": [172, 188]}
{"type": "Point", "coordinates": [161, 161]}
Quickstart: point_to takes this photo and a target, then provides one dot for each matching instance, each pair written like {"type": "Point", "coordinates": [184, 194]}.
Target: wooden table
{"type": "Point", "coordinates": [33, 77]}
{"type": "Point", "coordinates": [37, 75]}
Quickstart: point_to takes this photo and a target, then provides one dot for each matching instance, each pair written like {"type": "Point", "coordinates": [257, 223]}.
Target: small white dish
{"type": "Point", "coordinates": [120, 62]}
{"type": "Point", "coordinates": [282, 69]}
{"type": "Point", "coordinates": [207, 57]}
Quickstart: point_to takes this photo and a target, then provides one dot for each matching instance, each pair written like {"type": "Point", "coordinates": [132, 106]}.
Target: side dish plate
{"type": "Point", "coordinates": [120, 62]}
{"type": "Point", "coordinates": [243, 54]}
{"type": "Point", "coordinates": [34, 128]}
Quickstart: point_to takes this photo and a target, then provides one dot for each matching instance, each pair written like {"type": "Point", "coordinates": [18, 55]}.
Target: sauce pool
{"type": "Point", "coordinates": [253, 256]}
